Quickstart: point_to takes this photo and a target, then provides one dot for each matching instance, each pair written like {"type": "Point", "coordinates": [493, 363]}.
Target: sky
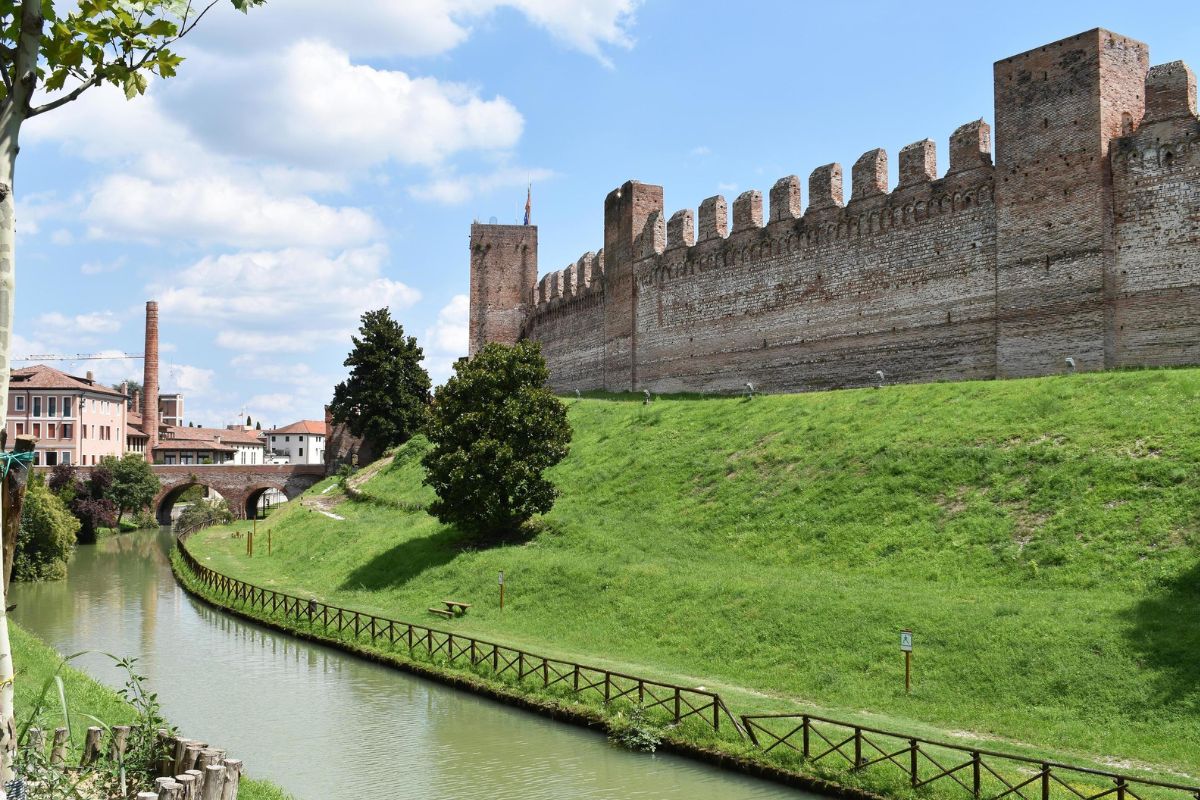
{"type": "Point", "coordinates": [314, 160]}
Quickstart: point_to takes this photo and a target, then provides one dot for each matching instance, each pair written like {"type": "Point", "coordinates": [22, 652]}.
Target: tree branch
{"type": "Point", "coordinates": [66, 98]}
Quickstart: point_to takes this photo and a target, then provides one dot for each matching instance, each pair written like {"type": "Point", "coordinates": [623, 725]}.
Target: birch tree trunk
{"type": "Point", "coordinates": [12, 114]}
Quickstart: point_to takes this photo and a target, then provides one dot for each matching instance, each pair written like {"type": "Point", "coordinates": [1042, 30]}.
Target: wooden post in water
{"type": "Point", "coordinates": [233, 775]}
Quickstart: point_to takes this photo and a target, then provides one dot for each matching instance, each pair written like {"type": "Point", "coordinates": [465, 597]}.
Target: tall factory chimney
{"type": "Point", "coordinates": [150, 380]}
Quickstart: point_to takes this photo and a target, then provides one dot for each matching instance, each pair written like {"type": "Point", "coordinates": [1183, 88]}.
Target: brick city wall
{"type": "Point", "coordinates": [1081, 242]}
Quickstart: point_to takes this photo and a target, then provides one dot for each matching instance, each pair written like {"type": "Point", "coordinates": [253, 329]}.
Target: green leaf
{"type": "Point", "coordinates": [162, 28]}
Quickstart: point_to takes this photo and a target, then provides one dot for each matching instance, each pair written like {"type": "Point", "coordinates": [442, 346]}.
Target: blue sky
{"type": "Point", "coordinates": [310, 164]}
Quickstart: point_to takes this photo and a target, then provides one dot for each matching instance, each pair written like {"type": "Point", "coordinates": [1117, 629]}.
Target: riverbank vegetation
{"type": "Point", "coordinates": [111, 489]}
{"type": "Point", "coordinates": [87, 701]}
{"type": "Point", "coordinates": [46, 537]}
{"type": "Point", "coordinates": [1040, 537]}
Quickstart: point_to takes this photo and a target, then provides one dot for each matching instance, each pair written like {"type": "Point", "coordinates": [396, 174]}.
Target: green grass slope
{"type": "Point", "coordinates": [1041, 537]}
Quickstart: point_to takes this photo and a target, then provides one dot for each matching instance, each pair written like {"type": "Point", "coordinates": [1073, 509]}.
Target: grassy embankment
{"type": "Point", "coordinates": [37, 662]}
{"type": "Point", "coordinates": [1041, 537]}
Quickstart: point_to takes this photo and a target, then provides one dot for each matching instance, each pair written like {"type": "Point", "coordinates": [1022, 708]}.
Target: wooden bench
{"type": "Point", "coordinates": [443, 612]}
{"type": "Point", "coordinates": [453, 606]}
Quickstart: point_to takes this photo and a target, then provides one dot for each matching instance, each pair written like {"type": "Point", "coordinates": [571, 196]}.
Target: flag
{"type": "Point", "coordinates": [528, 198]}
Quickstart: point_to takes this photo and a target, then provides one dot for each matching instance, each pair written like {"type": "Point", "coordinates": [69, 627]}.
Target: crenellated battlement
{"type": "Point", "coordinates": [1078, 242]}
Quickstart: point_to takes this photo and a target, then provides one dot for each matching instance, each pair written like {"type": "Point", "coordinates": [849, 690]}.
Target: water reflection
{"type": "Point", "coordinates": [324, 724]}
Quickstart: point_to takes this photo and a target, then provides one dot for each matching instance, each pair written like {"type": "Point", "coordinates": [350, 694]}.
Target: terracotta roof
{"type": "Point", "coordinates": [39, 376]}
{"type": "Point", "coordinates": [311, 426]}
{"type": "Point", "coordinates": [212, 434]}
{"type": "Point", "coordinates": [192, 444]}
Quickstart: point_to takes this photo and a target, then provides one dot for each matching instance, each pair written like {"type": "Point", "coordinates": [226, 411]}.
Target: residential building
{"type": "Point", "coordinates": [301, 442]}
{"type": "Point", "coordinates": [75, 420]}
{"type": "Point", "coordinates": [170, 407]}
{"type": "Point", "coordinates": [178, 445]}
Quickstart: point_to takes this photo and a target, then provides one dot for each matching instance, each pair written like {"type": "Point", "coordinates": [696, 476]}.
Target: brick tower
{"type": "Point", "coordinates": [503, 275]}
{"type": "Point", "coordinates": [150, 380]}
{"type": "Point", "coordinates": [1057, 108]}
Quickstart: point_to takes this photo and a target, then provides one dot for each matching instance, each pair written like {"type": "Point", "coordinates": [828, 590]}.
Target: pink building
{"type": "Point", "coordinates": [75, 420]}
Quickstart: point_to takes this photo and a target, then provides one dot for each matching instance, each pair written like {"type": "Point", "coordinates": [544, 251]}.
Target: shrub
{"type": "Point", "coordinates": [203, 514]}
{"type": "Point", "coordinates": [46, 537]}
{"type": "Point", "coordinates": [495, 428]}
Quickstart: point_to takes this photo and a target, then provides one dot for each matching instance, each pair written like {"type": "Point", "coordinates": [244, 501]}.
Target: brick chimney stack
{"type": "Point", "coordinates": [150, 380]}
{"type": "Point", "coordinates": [137, 406]}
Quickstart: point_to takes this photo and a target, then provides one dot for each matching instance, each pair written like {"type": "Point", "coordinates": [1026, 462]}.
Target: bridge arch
{"type": "Point", "coordinates": [242, 486]}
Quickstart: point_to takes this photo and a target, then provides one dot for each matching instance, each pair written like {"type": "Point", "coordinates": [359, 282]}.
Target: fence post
{"type": "Point", "coordinates": [545, 672]}
{"type": "Point", "coordinates": [975, 770]}
{"type": "Point", "coordinates": [450, 646]}
{"type": "Point", "coordinates": [857, 747]}
{"type": "Point", "coordinates": [1045, 782]}
{"type": "Point", "coordinates": [677, 698]}
{"type": "Point", "coordinates": [716, 715]}
{"type": "Point", "coordinates": [520, 665]}
{"type": "Point", "coordinates": [576, 678]}
{"type": "Point", "coordinates": [804, 723]}
{"type": "Point", "coordinates": [495, 658]}
{"type": "Point", "coordinates": [913, 749]}
{"type": "Point", "coordinates": [1120, 788]}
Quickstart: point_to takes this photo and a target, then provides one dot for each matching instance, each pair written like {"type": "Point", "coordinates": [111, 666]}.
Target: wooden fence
{"type": "Point", "coordinates": [678, 702]}
{"type": "Point", "coordinates": [187, 769]}
{"type": "Point", "coordinates": [980, 774]}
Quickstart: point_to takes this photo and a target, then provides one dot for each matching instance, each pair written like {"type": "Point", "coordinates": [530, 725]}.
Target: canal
{"type": "Point", "coordinates": [323, 724]}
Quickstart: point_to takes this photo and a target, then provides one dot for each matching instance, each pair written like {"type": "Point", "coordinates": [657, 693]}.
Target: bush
{"type": "Point", "coordinates": [495, 428]}
{"type": "Point", "coordinates": [202, 515]}
{"type": "Point", "coordinates": [46, 537]}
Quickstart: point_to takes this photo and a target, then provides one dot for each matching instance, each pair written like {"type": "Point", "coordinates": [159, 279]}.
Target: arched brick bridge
{"type": "Point", "coordinates": [241, 486]}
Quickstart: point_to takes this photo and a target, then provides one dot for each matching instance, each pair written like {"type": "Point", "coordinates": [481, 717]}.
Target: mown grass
{"type": "Point", "coordinates": [1040, 537]}
{"type": "Point", "coordinates": [36, 663]}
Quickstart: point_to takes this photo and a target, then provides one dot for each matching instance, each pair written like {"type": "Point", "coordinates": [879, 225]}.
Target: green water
{"type": "Point", "coordinates": [326, 725]}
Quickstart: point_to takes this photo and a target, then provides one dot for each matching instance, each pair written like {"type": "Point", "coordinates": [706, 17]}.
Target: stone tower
{"type": "Point", "coordinates": [627, 212]}
{"type": "Point", "coordinates": [503, 275]}
{"type": "Point", "coordinates": [1057, 109]}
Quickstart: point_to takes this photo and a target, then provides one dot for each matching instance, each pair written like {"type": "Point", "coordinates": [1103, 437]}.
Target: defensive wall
{"type": "Point", "coordinates": [1079, 241]}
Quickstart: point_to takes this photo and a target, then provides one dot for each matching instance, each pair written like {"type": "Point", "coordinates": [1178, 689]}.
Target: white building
{"type": "Point", "coordinates": [301, 442]}
{"type": "Point", "coordinates": [233, 445]}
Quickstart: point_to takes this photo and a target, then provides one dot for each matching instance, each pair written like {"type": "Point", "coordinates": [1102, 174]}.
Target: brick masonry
{"type": "Point", "coordinates": [1082, 241]}
{"type": "Point", "coordinates": [241, 486]}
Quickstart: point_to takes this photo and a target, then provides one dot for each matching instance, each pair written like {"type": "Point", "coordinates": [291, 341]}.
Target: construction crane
{"type": "Point", "coordinates": [78, 357]}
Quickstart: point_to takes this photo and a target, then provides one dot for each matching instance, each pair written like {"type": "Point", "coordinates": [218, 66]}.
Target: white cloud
{"type": "Point", "coordinates": [450, 335]}
{"type": "Point", "coordinates": [451, 189]}
{"type": "Point", "coordinates": [417, 27]}
{"type": "Point", "coordinates": [220, 210]}
{"type": "Point", "coordinates": [318, 296]}
{"type": "Point", "coordinates": [101, 267]}
{"type": "Point", "coordinates": [310, 105]}
{"type": "Point", "coordinates": [94, 322]}
{"type": "Point", "coordinates": [190, 380]}
{"type": "Point", "coordinates": [701, 150]}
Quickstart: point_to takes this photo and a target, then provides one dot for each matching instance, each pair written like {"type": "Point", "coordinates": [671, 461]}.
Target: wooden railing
{"type": "Point", "coordinates": [980, 774]}
{"type": "Point", "coordinates": [679, 703]}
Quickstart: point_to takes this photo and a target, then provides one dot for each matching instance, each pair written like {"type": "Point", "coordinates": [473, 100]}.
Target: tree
{"type": "Point", "coordinates": [385, 397]}
{"type": "Point", "coordinates": [92, 505]}
{"type": "Point", "coordinates": [247, 420]}
{"type": "Point", "coordinates": [47, 536]}
{"type": "Point", "coordinates": [57, 50]}
{"type": "Point", "coordinates": [134, 483]}
{"type": "Point", "coordinates": [495, 429]}
{"type": "Point", "coordinates": [130, 386]}
{"type": "Point", "coordinates": [258, 425]}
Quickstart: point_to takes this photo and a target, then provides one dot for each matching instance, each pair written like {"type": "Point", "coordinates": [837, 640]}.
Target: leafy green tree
{"type": "Point", "coordinates": [495, 429]}
{"type": "Point", "coordinates": [47, 535]}
{"type": "Point", "coordinates": [54, 51]}
{"type": "Point", "coordinates": [134, 483]}
{"type": "Point", "coordinates": [385, 398]}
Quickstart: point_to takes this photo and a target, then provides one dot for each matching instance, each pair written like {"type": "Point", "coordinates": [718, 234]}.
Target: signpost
{"type": "Point", "coordinates": [906, 648]}
{"type": "Point", "coordinates": [500, 580]}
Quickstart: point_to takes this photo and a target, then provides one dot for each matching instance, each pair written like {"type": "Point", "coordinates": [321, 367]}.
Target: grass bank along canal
{"type": "Point", "coordinates": [324, 724]}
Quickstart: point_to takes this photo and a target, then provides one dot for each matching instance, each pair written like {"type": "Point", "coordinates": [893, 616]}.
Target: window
{"type": "Point", "coordinates": [51, 431]}
{"type": "Point", "coordinates": [66, 430]}
{"type": "Point", "coordinates": [287, 438]}
{"type": "Point", "coordinates": [51, 458]}
{"type": "Point", "coordinates": [65, 457]}
{"type": "Point", "coordinates": [19, 403]}
{"type": "Point", "coordinates": [37, 406]}
{"type": "Point", "coordinates": [51, 406]}
{"type": "Point", "coordinates": [301, 451]}
{"type": "Point", "coordinates": [37, 458]}
{"type": "Point", "coordinates": [37, 430]}
{"type": "Point", "coordinates": [20, 428]}
{"type": "Point", "coordinates": [66, 406]}
{"type": "Point", "coordinates": [83, 431]}
{"type": "Point", "coordinates": [169, 458]}
{"type": "Point", "coordinates": [301, 438]}
{"type": "Point", "coordinates": [272, 440]}
{"type": "Point", "coordinates": [93, 461]}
